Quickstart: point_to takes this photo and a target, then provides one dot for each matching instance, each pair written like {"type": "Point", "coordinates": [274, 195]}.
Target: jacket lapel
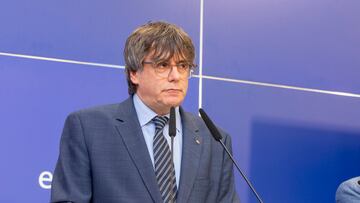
{"type": "Point", "coordinates": [130, 131]}
{"type": "Point", "coordinates": [192, 144]}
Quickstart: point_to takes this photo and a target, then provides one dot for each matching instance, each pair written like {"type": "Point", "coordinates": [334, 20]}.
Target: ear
{"type": "Point", "coordinates": [134, 77]}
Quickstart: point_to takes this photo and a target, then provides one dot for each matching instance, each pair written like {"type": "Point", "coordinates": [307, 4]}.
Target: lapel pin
{"type": "Point", "coordinates": [197, 140]}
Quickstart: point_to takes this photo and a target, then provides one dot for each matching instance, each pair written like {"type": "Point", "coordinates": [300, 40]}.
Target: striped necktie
{"type": "Point", "coordinates": [164, 167]}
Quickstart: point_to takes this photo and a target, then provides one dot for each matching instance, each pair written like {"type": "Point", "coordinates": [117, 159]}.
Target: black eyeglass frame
{"type": "Point", "coordinates": [159, 70]}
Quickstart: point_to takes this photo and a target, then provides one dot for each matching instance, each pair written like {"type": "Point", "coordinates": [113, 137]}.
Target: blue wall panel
{"type": "Point", "coordinates": [302, 163]}
{"type": "Point", "coordinates": [306, 43]}
{"type": "Point", "coordinates": [271, 127]}
{"type": "Point", "coordinates": [92, 31]}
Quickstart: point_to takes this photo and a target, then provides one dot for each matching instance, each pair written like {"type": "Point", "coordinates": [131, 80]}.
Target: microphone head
{"type": "Point", "coordinates": [172, 122]}
{"type": "Point", "coordinates": [210, 125]}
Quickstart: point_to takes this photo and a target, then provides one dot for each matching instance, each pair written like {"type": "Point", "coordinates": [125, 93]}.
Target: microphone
{"type": "Point", "coordinates": [172, 134]}
{"type": "Point", "coordinates": [217, 136]}
{"type": "Point", "coordinates": [172, 123]}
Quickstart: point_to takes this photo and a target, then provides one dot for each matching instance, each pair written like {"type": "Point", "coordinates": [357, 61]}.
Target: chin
{"type": "Point", "coordinates": [174, 102]}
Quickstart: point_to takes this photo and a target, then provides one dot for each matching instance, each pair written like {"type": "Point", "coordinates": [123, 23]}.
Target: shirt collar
{"type": "Point", "coordinates": [145, 114]}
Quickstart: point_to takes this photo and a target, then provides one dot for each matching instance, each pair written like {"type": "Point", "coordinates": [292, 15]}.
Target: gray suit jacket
{"type": "Point", "coordinates": [103, 159]}
{"type": "Point", "coordinates": [349, 191]}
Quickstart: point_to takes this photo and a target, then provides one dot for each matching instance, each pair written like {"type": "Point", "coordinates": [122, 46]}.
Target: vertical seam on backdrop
{"type": "Point", "coordinates": [201, 51]}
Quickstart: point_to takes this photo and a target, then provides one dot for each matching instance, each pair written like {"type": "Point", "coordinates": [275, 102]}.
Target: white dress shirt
{"type": "Point", "coordinates": [145, 115]}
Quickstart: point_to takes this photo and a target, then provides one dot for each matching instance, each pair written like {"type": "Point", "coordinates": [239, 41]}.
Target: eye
{"type": "Point", "coordinates": [163, 65]}
{"type": "Point", "coordinates": [183, 66]}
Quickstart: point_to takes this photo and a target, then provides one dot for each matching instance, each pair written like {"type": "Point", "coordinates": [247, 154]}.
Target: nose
{"type": "Point", "coordinates": [174, 74]}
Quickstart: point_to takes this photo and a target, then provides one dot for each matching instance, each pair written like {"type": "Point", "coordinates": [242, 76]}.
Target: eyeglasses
{"type": "Point", "coordinates": [163, 69]}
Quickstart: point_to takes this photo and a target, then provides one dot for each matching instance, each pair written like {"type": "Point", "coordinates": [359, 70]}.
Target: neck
{"type": "Point", "coordinates": [160, 110]}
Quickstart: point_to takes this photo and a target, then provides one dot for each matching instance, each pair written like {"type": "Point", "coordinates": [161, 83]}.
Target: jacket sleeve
{"type": "Point", "coordinates": [349, 191]}
{"type": "Point", "coordinates": [227, 185]}
{"type": "Point", "coordinates": [72, 176]}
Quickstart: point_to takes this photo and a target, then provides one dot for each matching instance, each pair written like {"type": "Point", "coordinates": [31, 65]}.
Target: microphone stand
{"type": "Point", "coordinates": [172, 161]}
{"type": "Point", "coordinates": [242, 174]}
{"type": "Point", "coordinates": [172, 134]}
{"type": "Point", "coordinates": [217, 136]}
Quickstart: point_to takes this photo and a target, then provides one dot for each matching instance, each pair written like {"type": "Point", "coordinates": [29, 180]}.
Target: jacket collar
{"type": "Point", "coordinates": [128, 127]}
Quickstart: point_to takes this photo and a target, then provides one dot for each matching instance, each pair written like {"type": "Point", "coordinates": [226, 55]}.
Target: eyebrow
{"type": "Point", "coordinates": [177, 62]}
{"type": "Point", "coordinates": [181, 61]}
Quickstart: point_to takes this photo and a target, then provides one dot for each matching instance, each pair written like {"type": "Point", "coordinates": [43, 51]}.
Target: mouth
{"type": "Point", "coordinates": [173, 90]}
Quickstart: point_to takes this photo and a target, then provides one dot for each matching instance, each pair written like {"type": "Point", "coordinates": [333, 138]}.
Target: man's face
{"type": "Point", "coordinates": [158, 92]}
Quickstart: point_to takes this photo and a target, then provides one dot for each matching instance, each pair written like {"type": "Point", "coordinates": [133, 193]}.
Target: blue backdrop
{"type": "Point", "coordinates": [280, 76]}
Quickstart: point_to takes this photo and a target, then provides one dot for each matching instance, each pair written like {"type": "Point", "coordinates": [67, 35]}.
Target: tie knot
{"type": "Point", "coordinates": [160, 122]}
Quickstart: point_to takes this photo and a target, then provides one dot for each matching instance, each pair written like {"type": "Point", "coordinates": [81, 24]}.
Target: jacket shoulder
{"type": "Point", "coordinates": [102, 110]}
{"type": "Point", "coordinates": [198, 121]}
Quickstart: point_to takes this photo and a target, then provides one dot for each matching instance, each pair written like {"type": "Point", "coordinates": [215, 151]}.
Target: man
{"type": "Point", "coordinates": [120, 153]}
{"type": "Point", "coordinates": [349, 191]}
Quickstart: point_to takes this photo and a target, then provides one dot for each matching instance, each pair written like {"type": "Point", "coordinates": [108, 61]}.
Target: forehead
{"type": "Point", "coordinates": [165, 56]}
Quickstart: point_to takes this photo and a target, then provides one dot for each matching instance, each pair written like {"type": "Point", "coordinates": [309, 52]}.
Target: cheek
{"type": "Point", "coordinates": [186, 84]}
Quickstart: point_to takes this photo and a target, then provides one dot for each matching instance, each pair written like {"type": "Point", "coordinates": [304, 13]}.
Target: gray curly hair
{"type": "Point", "coordinates": [163, 40]}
